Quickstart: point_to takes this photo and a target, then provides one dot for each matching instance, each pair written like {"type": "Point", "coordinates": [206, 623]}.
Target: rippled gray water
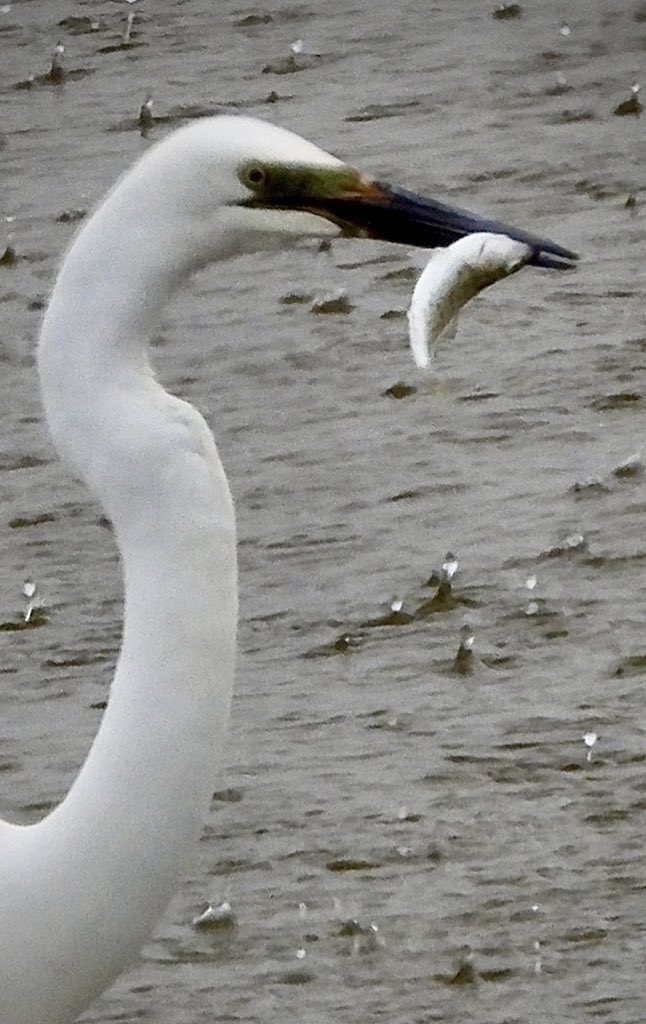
{"type": "Point", "coordinates": [458, 813]}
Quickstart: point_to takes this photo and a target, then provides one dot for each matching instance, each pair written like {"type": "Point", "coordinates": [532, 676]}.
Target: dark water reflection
{"type": "Point", "coordinates": [457, 813]}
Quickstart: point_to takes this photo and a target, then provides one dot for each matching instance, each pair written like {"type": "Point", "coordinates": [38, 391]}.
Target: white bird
{"type": "Point", "coordinates": [451, 278]}
{"type": "Point", "coordinates": [82, 889]}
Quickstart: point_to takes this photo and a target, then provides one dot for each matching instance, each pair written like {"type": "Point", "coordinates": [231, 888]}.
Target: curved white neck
{"type": "Point", "coordinates": [107, 860]}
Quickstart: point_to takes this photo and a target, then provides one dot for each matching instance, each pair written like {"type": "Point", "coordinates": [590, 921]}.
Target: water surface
{"type": "Point", "coordinates": [456, 813]}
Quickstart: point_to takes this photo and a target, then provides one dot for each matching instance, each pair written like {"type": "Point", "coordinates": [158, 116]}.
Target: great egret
{"type": "Point", "coordinates": [81, 890]}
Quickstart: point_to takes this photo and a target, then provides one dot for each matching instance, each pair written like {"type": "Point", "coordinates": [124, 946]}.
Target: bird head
{"type": "Point", "coordinates": [253, 185]}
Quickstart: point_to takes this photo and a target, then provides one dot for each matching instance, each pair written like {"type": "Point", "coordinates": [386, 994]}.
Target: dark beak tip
{"type": "Point", "coordinates": [554, 261]}
{"type": "Point", "coordinates": [403, 216]}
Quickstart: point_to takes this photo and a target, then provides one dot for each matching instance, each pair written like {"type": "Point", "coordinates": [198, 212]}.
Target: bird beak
{"type": "Point", "coordinates": [365, 208]}
{"type": "Point", "coordinates": [374, 209]}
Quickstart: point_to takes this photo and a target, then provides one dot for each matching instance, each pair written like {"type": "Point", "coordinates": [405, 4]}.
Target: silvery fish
{"type": "Point", "coordinates": [451, 277]}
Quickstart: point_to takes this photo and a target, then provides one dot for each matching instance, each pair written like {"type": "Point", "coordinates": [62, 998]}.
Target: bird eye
{"type": "Point", "coordinates": [254, 176]}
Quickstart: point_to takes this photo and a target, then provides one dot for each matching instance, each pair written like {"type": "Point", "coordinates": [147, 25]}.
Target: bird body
{"type": "Point", "coordinates": [82, 889]}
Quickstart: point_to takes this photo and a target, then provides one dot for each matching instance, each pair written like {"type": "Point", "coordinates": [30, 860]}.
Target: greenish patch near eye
{"type": "Point", "coordinates": [296, 184]}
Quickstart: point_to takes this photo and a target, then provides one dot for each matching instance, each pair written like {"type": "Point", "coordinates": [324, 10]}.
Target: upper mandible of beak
{"type": "Point", "coordinates": [375, 209]}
